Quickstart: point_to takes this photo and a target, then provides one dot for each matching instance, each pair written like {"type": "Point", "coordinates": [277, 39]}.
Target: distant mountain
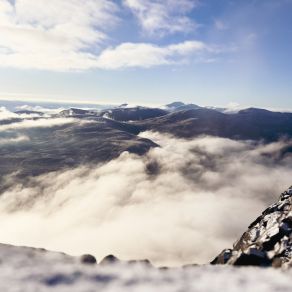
{"type": "Point", "coordinates": [175, 105]}
{"type": "Point", "coordinates": [76, 112]}
{"type": "Point", "coordinates": [123, 105]}
{"type": "Point", "coordinates": [249, 124]}
{"type": "Point", "coordinates": [268, 240]}
{"type": "Point", "coordinates": [90, 140]}
{"type": "Point", "coordinates": [122, 113]}
{"type": "Point", "coordinates": [133, 114]}
{"type": "Point", "coordinates": [179, 106]}
{"type": "Point", "coordinates": [29, 112]}
{"type": "Point", "coordinates": [98, 136]}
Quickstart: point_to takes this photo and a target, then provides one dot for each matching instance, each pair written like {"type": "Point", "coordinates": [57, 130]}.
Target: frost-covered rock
{"type": "Point", "coordinates": [35, 270]}
{"type": "Point", "coordinates": [268, 240]}
{"type": "Point", "coordinates": [88, 259]}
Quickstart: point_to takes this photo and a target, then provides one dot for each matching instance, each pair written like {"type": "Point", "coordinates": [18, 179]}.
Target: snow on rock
{"type": "Point", "coordinates": [33, 270]}
{"type": "Point", "coordinates": [268, 240]}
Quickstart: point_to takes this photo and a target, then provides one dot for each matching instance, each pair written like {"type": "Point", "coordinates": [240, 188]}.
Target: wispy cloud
{"type": "Point", "coordinates": [163, 17]}
{"type": "Point", "coordinates": [220, 24]}
{"type": "Point", "coordinates": [39, 123]}
{"type": "Point", "coordinates": [15, 140]}
{"type": "Point", "coordinates": [8, 115]}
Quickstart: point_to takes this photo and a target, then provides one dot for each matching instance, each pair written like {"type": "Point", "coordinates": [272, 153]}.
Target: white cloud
{"type": "Point", "coordinates": [39, 123]}
{"type": "Point", "coordinates": [148, 55]}
{"type": "Point", "coordinates": [46, 111]}
{"type": "Point", "coordinates": [53, 34]}
{"type": "Point", "coordinates": [181, 203]}
{"type": "Point", "coordinates": [163, 17]}
{"type": "Point", "coordinates": [68, 35]}
{"type": "Point", "coordinates": [16, 140]}
{"type": "Point", "coordinates": [6, 114]}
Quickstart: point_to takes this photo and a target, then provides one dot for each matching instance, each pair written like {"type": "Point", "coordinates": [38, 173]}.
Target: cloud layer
{"type": "Point", "coordinates": [71, 35]}
{"type": "Point", "coordinates": [38, 123]}
{"type": "Point", "coordinates": [181, 203]}
{"type": "Point", "coordinates": [16, 140]}
{"type": "Point", "coordinates": [7, 115]}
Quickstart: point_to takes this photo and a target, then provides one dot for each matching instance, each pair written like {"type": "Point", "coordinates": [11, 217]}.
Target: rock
{"type": "Point", "coordinates": [222, 258]}
{"type": "Point", "coordinates": [88, 259]}
{"type": "Point", "coordinates": [268, 240]}
{"type": "Point", "coordinates": [277, 263]}
{"type": "Point", "coordinates": [189, 266]}
{"type": "Point", "coordinates": [110, 259]}
{"type": "Point", "coordinates": [252, 259]}
{"type": "Point", "coordinates": [144, 262]}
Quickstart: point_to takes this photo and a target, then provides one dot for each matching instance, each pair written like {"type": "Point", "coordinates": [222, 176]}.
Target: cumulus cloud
{"type": "Point", "coordinates": [6, 114]}
{"type": "Point", "coordinates": [149, 55]}
{"type": "Point", "coordinates": [43, 110]}
{"type": "Point", "coordinates": [181, 203]}
{"type": "Point", "coordinates": [55, 34]}
{"type": "Point", "coordinates": [70, 35]}
{"type": "Point", "coordinates": [163, 17]}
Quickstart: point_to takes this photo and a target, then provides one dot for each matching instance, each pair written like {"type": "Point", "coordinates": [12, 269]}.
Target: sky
{"type": "Point", "coordinates": [223, 52]}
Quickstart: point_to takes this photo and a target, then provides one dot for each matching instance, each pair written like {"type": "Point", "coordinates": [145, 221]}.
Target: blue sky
{"type": "Point", "coordinates": [148, 51]}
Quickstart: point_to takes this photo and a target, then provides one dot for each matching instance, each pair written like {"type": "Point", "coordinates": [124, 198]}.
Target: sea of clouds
{"type": "Point", "coordinates": [182, 202]}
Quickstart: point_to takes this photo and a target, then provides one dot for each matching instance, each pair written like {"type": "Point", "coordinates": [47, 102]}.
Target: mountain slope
{"type": "Point", "coordinates": [190, 121]}
{"type": "Point", "coordinates": [132, 114]}
{"type": "Point", "coordinates": [179, 106]}
{"type": "Point", "coordinates": [55, 144]}
{"type": "Point", "coordinates": [268, 240]}
{"type": "Point", "coordinates": [250, 124]}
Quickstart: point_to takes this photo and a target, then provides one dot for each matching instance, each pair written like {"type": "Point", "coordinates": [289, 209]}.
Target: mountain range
{"type": "Point", "coordinates": [190, 120]}
{"type": "Point", "coordinates": [75, 136]}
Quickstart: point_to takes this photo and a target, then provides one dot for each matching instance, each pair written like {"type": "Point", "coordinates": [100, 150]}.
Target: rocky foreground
{"type": "Point", "coordinates": [33, 270]}
{"type": "Point", "coordinates": [268, 240]}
